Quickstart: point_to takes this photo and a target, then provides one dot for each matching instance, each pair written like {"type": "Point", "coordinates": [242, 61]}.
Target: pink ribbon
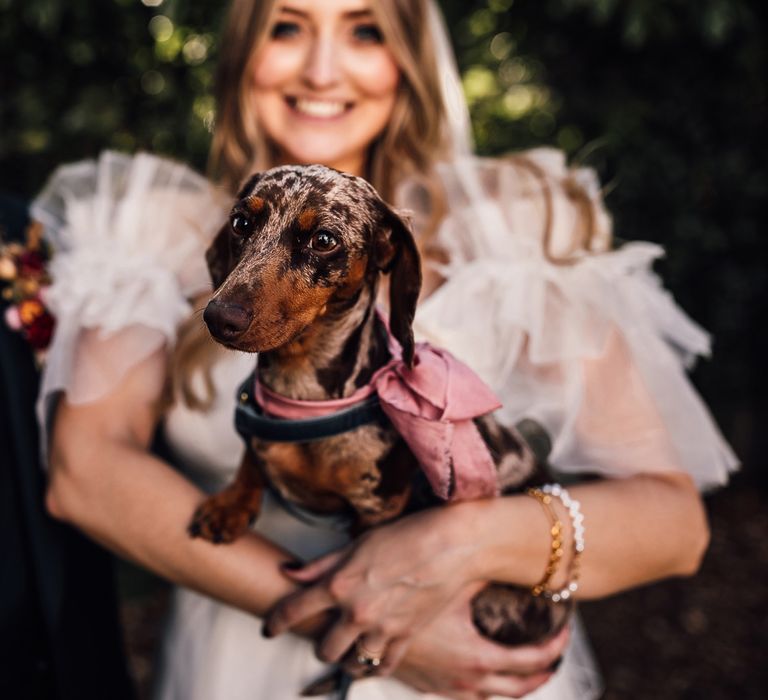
{"type": "Point", "coordinates": [432, 407]}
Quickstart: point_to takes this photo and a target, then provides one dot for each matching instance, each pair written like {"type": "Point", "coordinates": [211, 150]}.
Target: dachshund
{"type": "Point", "coordinates": [296, 271]}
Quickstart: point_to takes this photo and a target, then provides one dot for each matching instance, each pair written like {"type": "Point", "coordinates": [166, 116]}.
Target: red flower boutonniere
{"type": "Point", "coordinates": [24, 280]}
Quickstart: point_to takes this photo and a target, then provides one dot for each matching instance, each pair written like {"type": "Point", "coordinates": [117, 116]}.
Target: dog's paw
{"type": "Point", "coordinates": [219, 519]}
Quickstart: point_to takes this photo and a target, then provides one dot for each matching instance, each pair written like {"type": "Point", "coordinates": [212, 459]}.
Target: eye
{"type": "Point", "coordinates": [323, 241]}
{"type": "Point", "coordinates": [241, 225]}
{"type": "Point", "coordinates": [368, 33]}
{"type": "Point", "coordinates": [285, 30]}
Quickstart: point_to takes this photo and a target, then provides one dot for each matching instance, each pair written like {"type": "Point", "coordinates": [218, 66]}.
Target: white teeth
{"type": "Point", "coordinates": [319, 108]}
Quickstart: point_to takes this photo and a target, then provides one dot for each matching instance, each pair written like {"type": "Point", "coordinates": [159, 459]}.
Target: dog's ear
{"type": "Point", "coordinates": [218, 257]}
{"type": "Point", "coordinates": [395, 252]}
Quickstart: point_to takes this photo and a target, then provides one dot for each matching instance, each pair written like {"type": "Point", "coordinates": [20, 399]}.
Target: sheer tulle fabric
{"type": "Point", "coordinates": [128, 235]}
{"type": "Point", "coordinates": [584, 339]}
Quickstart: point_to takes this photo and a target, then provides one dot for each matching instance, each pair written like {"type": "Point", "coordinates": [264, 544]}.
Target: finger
{"type": "Point", "coordinates": [511, 686]}
{"type": "Point", "coordinates": [306, 573]}
{"type": "Point", "coordinates": [394, 655]}
{"type": "Point", "coordinates": [528, 659]}
{"type": "Point", "coordinates": [295, 608]}
{"type": "Point", "coordinates": [371, 645]}
{"type": "Point", "coordinates": [339, 640]}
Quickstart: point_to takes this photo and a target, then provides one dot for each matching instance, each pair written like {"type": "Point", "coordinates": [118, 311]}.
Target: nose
{"type": "Point", "coordinates": [226, 321]}
{"type": "Point", "coordinates": [321, 67]}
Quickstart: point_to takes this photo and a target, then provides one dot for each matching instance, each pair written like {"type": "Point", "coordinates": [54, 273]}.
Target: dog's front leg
{"type": "Point", "coordinates": [226, 515]}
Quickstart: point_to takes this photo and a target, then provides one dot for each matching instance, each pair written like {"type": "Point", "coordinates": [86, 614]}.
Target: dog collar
{"type": "Point", "coordinates": [252, 422]}
{"type": "Point", "coordinates": [431, 404]}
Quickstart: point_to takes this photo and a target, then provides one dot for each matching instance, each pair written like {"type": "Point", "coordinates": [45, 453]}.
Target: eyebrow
{"type": "Point", "coordinates": [351, 14]}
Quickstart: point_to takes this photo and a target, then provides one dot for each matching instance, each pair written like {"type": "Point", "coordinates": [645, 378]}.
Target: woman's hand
{"type": "Point", "coordinates": [387, 585]}
{"type": "Point", "coordinates": [449, 658]}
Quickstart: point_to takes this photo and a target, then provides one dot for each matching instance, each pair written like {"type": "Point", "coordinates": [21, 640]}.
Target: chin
{"type": "Point", "coordinates": [330, 147]}
{"type": "Point", "coordinates": [322, 156]}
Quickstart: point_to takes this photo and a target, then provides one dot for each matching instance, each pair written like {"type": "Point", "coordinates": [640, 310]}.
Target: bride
{"type": "Point", "coordinates": [521, 283]}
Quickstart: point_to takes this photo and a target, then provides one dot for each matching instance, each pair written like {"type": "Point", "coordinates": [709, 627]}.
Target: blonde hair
{"type": "Point", "coordinates": [585, 234]}
{"type": "Point", "coordinates": [413, 140]}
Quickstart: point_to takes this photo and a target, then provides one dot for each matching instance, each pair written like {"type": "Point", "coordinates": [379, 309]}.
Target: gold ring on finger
{"type": "Point", "coordinates": [368, 659]}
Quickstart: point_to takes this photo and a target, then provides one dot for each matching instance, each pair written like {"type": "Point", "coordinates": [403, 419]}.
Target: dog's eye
{"type": "Point", "coordinates": [323, 241]}
{"type": "Point", "coordinates": [241, 225]}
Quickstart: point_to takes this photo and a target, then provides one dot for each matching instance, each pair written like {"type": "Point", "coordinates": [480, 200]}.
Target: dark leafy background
{"type": "Point", "coordinates": [666, 98]}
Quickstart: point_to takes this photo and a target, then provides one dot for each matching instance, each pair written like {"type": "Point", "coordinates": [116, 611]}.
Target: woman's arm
{"type": "Point", "coordinates": [104, 481]}
{"type": "Point", "coordinates": [639, 529]}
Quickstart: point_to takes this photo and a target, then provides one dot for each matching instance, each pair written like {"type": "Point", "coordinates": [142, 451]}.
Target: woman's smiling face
{"type": "Point", "coordinates": [324, 83]}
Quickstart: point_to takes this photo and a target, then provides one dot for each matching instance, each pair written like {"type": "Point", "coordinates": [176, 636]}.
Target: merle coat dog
{"type": "Point", "coordinates": [296, 271]}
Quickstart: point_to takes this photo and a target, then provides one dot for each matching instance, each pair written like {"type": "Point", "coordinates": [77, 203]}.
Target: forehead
{"type": "Point", "coordinates": [313, 7]}
{"type": "Point", "coordinates": [295, 190]}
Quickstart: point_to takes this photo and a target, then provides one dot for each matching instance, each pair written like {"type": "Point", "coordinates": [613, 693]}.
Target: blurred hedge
{"type": "Point", "coordinates": [666, 98]}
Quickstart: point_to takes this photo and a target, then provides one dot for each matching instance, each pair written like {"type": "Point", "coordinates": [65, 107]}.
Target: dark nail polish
{"type": "Point", "coordinates": [555, 664]}
{"type": "Point", "coordinates": [265, 632]}
{"type": "Point", "coordinates": [291, 565]}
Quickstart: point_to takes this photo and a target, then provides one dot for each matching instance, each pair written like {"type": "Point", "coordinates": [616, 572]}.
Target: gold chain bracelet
{"type": "Point", "coordinates": [556, 531]}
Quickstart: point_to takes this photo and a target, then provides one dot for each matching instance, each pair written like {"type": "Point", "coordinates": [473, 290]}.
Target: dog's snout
{"type": "Point", "coordinates": [226, 321]}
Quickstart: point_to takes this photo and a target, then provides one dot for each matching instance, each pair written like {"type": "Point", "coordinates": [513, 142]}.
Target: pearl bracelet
{"type": "Point", "coordinates": [577, 521]}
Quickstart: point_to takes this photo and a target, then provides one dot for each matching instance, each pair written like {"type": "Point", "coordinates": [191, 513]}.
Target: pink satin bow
{"type": "Point", "coordinates": [432, 407]}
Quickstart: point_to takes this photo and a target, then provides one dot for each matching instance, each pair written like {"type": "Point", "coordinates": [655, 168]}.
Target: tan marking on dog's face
{"type": "Point", "coordinates": [355, 279]}
{"type": "Point", "coordinates": [307, 219]}
{"type": "Point", "coordinates": [255, 203]}
{"type": "Point", "coordinates": [287, 306]}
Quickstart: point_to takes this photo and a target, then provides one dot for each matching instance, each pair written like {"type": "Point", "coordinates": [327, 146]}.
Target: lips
{"type": "Point", "coordinates": [318, 109]}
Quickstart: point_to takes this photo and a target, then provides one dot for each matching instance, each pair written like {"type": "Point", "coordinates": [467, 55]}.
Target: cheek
{"type": "Point", "coordinates": [275, 65]}
{"type": "Point", "coordinates": [376, 75]}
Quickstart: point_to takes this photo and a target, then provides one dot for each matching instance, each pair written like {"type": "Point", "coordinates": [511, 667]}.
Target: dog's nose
{"type": "Point", "coordinates": [225, 321]}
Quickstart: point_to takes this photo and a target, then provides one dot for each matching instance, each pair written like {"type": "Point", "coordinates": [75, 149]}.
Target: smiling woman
{"type": "Point", "coordinates": [527, 292]}
{"type": "Point", "coordinates": [324, 84]}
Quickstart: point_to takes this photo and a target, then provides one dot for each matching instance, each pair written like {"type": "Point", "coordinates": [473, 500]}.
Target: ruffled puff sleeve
{"type": "Point", "coordinates": [567, 330]}
{"type": "Point", "coordinates": [128, 235]}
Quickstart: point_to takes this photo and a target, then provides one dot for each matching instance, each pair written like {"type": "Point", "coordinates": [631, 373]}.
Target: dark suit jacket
{"type": "Point", "coordinates": [59, 631]}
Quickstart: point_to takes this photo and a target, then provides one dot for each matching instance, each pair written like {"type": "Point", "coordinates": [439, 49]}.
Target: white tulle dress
{"type": "Point", "coordinates": [593, 348]}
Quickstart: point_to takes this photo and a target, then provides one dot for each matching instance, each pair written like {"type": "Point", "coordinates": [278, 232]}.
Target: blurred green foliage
{"type": "Point", "coordinates": [666, 98]}
{"type": "Point", "coordinates": [83, 76]}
